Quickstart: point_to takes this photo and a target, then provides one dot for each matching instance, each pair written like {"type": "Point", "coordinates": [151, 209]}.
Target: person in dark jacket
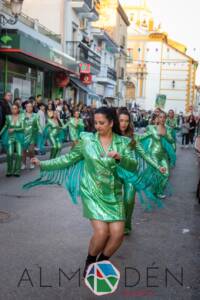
{"type": "Point", "coordinates": [192, 128]}
{"type": "Point", "coordinates": [5, 108]}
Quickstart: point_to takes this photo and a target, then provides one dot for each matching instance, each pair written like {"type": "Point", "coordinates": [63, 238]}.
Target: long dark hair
{"type": "Point", "coordinates": [130, 130]}
{"type": "Point", "coordinates": [111, 115]}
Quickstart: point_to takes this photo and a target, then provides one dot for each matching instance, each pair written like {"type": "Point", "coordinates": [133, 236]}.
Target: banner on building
{"type": "Point", "coordinates": [161, 101]}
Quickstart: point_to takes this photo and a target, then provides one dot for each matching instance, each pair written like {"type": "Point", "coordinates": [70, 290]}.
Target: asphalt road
{"type": "Point", "coordinates": [45, 233]}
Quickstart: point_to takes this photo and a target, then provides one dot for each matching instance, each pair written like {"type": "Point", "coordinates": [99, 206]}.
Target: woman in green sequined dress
{"type": "Point", "coordinates": [13, 139]}
{"type": "Point", "coordinates": [126, 129]}
{"type": "Point", "coordinates": [76, 126]}
{"type": "Point", "coordinates": [101, 187]}
{"type": "Point", "coordinates": [172, 122]}
{"type": "Point", "coordinates": [31, 130]}
{"type": "Point", "coordinates": [55, 131]}
{"type": "Point", "coordinates": [159, 143]}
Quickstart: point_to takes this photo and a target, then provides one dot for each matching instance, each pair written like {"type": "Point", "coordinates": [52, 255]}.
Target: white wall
{"type": "Point", "coordinates": [153, 74]}
{"type": "Point", "coordinates": [160, 76]}
{"type": "Point", "coordinates": [48, 12]}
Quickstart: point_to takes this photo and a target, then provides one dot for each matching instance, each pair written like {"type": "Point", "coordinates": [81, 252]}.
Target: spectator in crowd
{"type": "Point", "coordinates": [38, 100]}
{"type": "Point", "coordinates": [185, 128]}
{"type": "Point", "coordinates": [192, 129]}
{"type": "Point", "coordinates": [65, 116]}
{"type": "Point", "coordinates": [5, 108]}
{"type": "Point", "coordinates": [58, 105]}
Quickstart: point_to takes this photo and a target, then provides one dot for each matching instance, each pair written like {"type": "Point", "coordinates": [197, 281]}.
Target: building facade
{"type": "Point", "coordinates": [160, 73]}
{"type": "Point", "coordinates": [114, 21]}
{"type": "Point", "coordinates": [32, 60]}
{"type": "Point", "coordinates": [72, 23]}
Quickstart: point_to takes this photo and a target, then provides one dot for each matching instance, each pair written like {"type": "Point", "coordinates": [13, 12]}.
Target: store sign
{"type": "Point", "coordinates": [84, 68]}
{"type": "Point", "coordinates": [61, 79]}
{"type": "Point", "coordinates": [86, 78]}
{"type": "Point", "coordinates": [5, 39]}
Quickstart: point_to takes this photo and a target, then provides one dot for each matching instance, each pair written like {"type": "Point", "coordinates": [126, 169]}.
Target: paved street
{"type": "Point", "coordinates": [46, 232]}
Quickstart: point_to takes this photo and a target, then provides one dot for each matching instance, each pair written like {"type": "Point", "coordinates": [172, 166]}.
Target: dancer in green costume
{"type": "Point", "coordinates": [55, 132]}
{"type": "Point", "coordinates": [101, 188]}
{"type": "Point", "coordinates": [13, 140]}
{"type": "Point", "coordinates": [76, 126]}
{"type": "Point", "coordinates": [126, 129]}
{"type": "Point", "coordinates": [172, 122]}
{"type": "Point", "coordinates": [31, 130]}
{"type": "Point", "coordinates": [159, 144]}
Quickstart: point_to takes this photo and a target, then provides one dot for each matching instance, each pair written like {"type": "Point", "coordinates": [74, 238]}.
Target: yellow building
{"type": "Point", "coordinates": [157, 65]}
{"type": "Point", "coordinates": [113, 19]}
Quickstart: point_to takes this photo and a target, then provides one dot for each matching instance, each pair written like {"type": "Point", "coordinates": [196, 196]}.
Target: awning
{"type": "Point", "coordinates": [80, 85]}
{"type": "Point", "coordinates": [29, 58]}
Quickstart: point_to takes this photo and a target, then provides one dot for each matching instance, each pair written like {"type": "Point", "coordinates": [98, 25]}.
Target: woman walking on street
{"type": "Point", "coordinates": [55, 132]}
{"type": "Point", "coordinates": [31, 131]}
{"type": "Point", "coordinates": [126, 129]}
{"type": "Point", "coordinates": [13, 139]}
{"type": "Point", "coordinates": [101, 187]}
{"type": "Point", "coordinates": [76, 126]}
{"type": "Point", "coordinates": [159, 144]}
{"type": "Point", "coordinates": [172, 122]}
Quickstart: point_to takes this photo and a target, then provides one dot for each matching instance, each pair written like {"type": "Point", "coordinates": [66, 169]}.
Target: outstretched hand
{"type": "Point", "coordinates": [35, 161]}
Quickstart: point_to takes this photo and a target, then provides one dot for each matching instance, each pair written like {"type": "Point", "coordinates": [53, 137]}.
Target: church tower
{"type": "Point", "coordinates": [140, 16]}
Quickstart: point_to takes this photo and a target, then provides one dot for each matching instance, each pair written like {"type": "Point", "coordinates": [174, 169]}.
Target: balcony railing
{"type": "Point", "coordinates": [112, 74]}
{"type": "Point", "coordinates": [79, 2]}
{"type": "Point", "coordinates": [107, 72]}
{"type": "Point", "coordinates": [83, 53]}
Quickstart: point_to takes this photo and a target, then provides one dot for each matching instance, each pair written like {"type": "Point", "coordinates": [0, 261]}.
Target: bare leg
{"type": "Point", "coordinates": [31, 151]}
{"type": "Point", "coordinates": [116, 230]}
{"type": "Point", "coordinates": [97, 242]}
{"type": "Point", "coordinates": [99, 238]}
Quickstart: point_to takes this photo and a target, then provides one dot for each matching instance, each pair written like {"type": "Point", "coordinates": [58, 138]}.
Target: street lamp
{"type": "Point", "coordinates": [16, 8]}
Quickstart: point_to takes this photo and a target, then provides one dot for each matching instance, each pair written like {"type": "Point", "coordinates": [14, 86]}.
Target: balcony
{"type": "Point", "coordinates": [106, 75]}
{"type": "Point", "coordinates": [82, 6]}
{"type": "Point", "coordinates": [83, 53]}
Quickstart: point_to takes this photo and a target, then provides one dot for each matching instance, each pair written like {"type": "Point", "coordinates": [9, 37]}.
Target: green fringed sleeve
{"type": "Point", "coordinates": [64, 161]}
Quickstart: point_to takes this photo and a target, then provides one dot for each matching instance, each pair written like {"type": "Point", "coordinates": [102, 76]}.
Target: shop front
{"type": "Point", "coordinates": [29, 67]}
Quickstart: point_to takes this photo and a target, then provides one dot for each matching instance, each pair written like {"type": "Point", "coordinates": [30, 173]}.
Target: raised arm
{"type": "Point", "coordinates": [145, 156]}
{"type": "Point", "coordinates": [146, 135]}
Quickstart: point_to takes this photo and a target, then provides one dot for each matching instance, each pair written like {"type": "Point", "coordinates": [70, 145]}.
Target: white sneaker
{"type": "Point", "coordinates": [162, 196]}
{"type": "Point", "coordinates": [32, 166]}
{"type": "Point", "coordinates": [23, 167]}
